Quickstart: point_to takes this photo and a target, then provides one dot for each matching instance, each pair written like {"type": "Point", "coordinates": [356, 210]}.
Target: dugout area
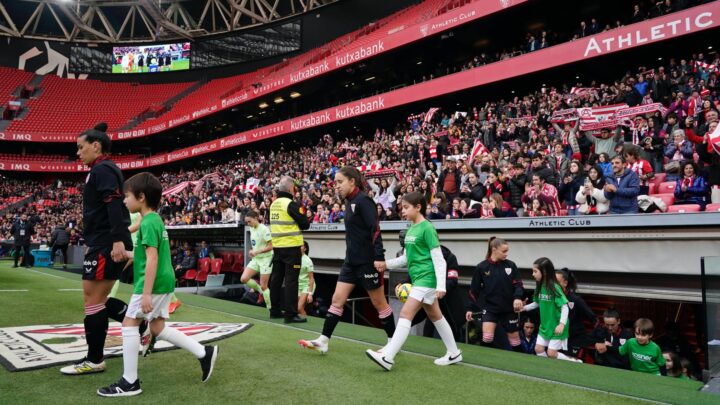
{"type": "Point", "coordinates": [265, 364]}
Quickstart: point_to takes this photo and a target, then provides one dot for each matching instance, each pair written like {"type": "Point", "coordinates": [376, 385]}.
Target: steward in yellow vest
{"type": "Point", "coordinates": [287, 221]}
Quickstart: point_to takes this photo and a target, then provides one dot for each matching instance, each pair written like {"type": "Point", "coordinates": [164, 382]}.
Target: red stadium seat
{"type": "Point", "coordinates": [189, 275]}
{"type": "Point", "coordinates": [682, 208]}
{"type": "Point", "coordinates": [653, 188]}
{"type": "Point", "coordinates": [712, 207]}
{"type": "Point", "coordinates": [666, 187]}
{"type": "Point", "coordinates": [202, 276]}
{"type": "Point", "coordinates": [668, 199]}
{"type": "Point", "coordinates": [228, 259]}
{"type": "Point", "coordinates": [658, 178]}
{"type": "Point", "coordinates": [204, 264]}
{"type": "Point", "coordinates": [216, 265]}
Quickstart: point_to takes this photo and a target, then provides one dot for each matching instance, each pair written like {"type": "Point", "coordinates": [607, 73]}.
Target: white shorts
{"type": "Point", "coordinates": [261, 265]}
{"type": "Point", "coordinates": [426, 295]}
{"type": "Point", "coordinates": [160, 303]}
{"type": "Point", "coordinates": [554, 344]}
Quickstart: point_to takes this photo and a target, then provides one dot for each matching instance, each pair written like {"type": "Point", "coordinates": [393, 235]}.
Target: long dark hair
{"type": "Point", "coordinates": [547, 269]}
{"type": "Point", "coordinates": [569, 277]}
{"type": "Point", "coordinates": [416, 198]}
{"type": "Point", "coordinates": [353, 173]}
{"type": "Point", "coordinates": [494, 243]}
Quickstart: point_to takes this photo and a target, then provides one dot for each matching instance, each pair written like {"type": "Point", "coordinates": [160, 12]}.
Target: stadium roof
{"type": "Point", "coordinates": [132, 21]}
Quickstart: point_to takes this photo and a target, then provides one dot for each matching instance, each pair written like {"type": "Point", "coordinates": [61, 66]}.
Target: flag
{"type": "Point", "coordinates": [478, 149]}
{"type": "Point", "coordinates": [251, 185]}
{"type": "Point", "coordinates": [593, 118]}
{"type": "Point", "coordinates": [714, 139]}
{"type": "Point", "coordinates": [429, 115]}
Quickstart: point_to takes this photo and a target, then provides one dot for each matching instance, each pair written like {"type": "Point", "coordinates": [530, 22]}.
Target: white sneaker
{"type": "Point", "coordinates": [379, 359]}
{"type": "Point", "coordinates": [449, 359]}
{"type": "Point", "coordinates": [83, 367]}
{"type": "Point", "coordinates": [316, 344]}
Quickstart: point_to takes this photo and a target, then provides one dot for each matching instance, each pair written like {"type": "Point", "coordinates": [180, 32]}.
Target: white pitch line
{"type": "Point", "coordinates": [13, 290]}
{"type": "Point", "coordinates": [475, 366]}
{"type": "Point", "coordinates": [70, 289]}
{"type": "Point", "coordinates": [46, 274]}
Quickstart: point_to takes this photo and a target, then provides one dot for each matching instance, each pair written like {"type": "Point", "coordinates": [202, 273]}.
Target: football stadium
{"type": "Point", "coordinates": [360, 201]}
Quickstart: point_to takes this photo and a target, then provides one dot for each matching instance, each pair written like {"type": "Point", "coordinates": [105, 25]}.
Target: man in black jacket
{"type": "Point", "coordinates": [106, 221]}
{"type": "Point", "coordinates": [608, 339]}
{"type": "Point", "coordinates": [189, 261]}
{"type": "Point", "coordinates": [22, 230]}
{"type": "Point", "coordinates": [59, 240]}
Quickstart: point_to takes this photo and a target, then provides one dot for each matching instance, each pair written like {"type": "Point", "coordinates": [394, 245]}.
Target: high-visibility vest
{"type": "Point", "coordinates": [285, 231]}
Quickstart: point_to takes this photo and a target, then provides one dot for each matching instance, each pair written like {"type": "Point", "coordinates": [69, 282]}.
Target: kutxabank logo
{"type": "Point", "coordinates": [38, 346]}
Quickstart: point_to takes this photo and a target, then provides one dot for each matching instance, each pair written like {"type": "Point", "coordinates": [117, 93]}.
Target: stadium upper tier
{"type": "Point", "coordinates": [48, 113]}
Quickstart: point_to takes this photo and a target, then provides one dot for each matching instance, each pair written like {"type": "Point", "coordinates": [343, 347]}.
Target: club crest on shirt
{"type": "Point", "coordinates": [352, 207]}
{"type": "Point", "coordinates": [571, 305]}
{"type": "Point", "coordinates": [508, 270]}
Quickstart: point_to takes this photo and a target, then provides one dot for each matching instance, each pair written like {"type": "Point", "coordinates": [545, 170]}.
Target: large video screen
{"type": "Point", "coordinates": [151, 58]}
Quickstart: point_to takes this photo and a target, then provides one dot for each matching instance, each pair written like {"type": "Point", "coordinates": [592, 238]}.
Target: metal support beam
{"type": "Point", "coordinates": [80, 24]}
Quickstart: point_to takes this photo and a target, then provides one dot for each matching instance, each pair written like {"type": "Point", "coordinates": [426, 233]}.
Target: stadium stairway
{"type": "Point", "coordinates": [168, 105]}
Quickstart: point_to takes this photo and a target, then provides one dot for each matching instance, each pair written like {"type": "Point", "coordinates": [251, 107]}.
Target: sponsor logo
{"type": "Point", "coordinates": [177, 121]}
{"type": "Point", "coordinates": [276, 129]}
{"type": "Point", "coordinates": [310, 72]}
{"type": "Point", "coordinates": [156, 160]}
{"type": "Point", "coordinates": [672, 28]}
{"type": "Point", "coordinates": [237, 140]}
{"type": "Point", "coordinates": [131, 134]}
{"type": "Point", "coordinates": [268, 86]}
{"type": "Point", "coordinates": [371, 275]}
{"type": "Point", "coordinates": [157, 128]}
{"type": "Point", "coordinates": [177, 155]}
{"type": "Point", "coordinates": [135, 164]}
{"type": "Point", "coordinates": [2, 136]}
{"type": "Point", "coordinates": [505, 3]}
{"type": "Point", "coordinates": [641, 357]}
{"type": "Point", "coordinates": [204, 111]}
{"type": "Point", "coordinates": [448, 22]}
{"type": "Point", "coordinates": [21, 137]}
{"type": "Point", "coordinates": [227, 102]}
{"type": "Point", "coordinates": [362, 53]}
{"type": "Point", "coordinates": [313, 120]}
{"type": "Point", "coordinates": [360, 108]}
{"type": "Point", "coordinates": [20, 167]}
{"type": "Point", "coordinates": [424, 30]}
{"type": "Point", "coordinates": [203, 149]}
{"type": "Point", "coordinates": [32, 347]}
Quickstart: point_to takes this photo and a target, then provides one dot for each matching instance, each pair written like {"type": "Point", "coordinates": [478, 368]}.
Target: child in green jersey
{"type": "Point", "coordinates": [306, 280]}
{"type": "Point", "coordinates": [427, 270]}
{"type": "Point", "coordinates": [644, 354]}
{"type": "Point", "coordinates": [154, 283]}
{"type": "Point", "coordinates": [554, 311]}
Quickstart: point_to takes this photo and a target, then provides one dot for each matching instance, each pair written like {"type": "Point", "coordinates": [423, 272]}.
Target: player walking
{"type": "Point", "coordinates": [261, 253]}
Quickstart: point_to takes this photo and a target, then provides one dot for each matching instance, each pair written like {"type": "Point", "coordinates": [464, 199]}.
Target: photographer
{"type": "Point", "coordinates": [591, 197]}
{"type": "Point", "coordinates": [474, 190]}
{"type": "Point", "coordinates": [22, 230]}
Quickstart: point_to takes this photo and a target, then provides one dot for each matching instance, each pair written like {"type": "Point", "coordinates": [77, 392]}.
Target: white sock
{"type": "Point", "coordinates": [131, 342]}
{"type": "Point", "coordinates": [443, 328]}
{"type": "Point", "coordinates": [543, 354]}
{"type": "Point", "coordinates": [182, 341]}
{"type": "Point", "coordinates": [564, 357]}
{"type": "Point", "coordinates": [402, 330]}
{"type": "Point", "coordinates": [323, 339]}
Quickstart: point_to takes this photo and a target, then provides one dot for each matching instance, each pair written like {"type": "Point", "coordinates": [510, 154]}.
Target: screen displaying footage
{"type": "Point", "coordinates": [151, 58]}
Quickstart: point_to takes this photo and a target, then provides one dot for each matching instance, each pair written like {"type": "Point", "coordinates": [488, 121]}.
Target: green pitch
{"type": "Point", "coordinates": [181, 64]}
{"type": "Point", "coordinates": [265, 364]}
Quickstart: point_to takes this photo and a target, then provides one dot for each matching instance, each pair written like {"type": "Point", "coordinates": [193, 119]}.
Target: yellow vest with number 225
{"type": "Point", "coordinates": [285, 231]}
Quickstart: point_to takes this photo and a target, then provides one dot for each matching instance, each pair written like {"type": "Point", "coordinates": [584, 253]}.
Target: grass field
{"type": "Point", "coordinates": [265, 365]}
{"type": "Point", "coordinates": [182, 64]}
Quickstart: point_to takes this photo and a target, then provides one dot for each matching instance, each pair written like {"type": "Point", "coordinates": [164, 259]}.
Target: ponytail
{"type": "Point", "coordinates": [494, 243]}
{"type": "Point", "coordinates": [568, 276]}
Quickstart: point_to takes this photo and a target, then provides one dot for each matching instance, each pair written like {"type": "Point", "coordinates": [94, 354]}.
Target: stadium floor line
{"type": "Point", "coordinates": [476, 366]}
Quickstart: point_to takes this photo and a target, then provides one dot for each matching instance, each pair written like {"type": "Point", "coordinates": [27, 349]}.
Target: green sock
{"type": "Point", "coordinates": [266, 297]}
{"type": "Point", "coordinates": [114, 289]}
{"type": "Point", "coordinates": [254, 285]}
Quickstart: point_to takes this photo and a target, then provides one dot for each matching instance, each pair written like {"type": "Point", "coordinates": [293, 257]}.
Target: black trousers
{"type": "Point", "coordinates": [26, 254]}
{"type": "Point", "coordinates": [63, 249]}
{"type": "Point", "coordinates": [286, 267]}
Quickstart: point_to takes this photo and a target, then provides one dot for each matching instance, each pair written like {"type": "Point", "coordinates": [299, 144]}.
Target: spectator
{"type": "Point", "coordinates": [473, 190]}
{"type": "Point", "coordinates": [640, 166]}
{"type": "Point", "coordinates": [528, 337]}
{"type": "Point", "coordinates": [677, 151]}
{"type": "Point", "coordinates": [204, 250]}
{"type": "Point", "coordinates": [228, 214]}
{"type": "Point", "coordinates": [449, 181]}
{"type": "Point", "coordinates": [608, 338]}
{"type": "Point", "coordinates": [605, 143]}
{"type": "Point", "coordinates": [500, 208]}
{"type": "Point", "coordinates": [691, 188]}
{"type": "Point", "coordinates": [546, 193]}
{"type": "Point", "coordinates": [591, 196]}
{"type": "Point", "coordinates": [516, 184]}
{"type": "Point", "coordinates": [673, 365]}
{"type": "Point", "coordinates": [189, 261]}
{"type": "Point", "coordinates": [571, 184]}
{"type": "Point", "coordinates": [605, 165]}
{"type": "Point", "coordinates": [622, 188]}
{"type": "Point", "coordinates": [60, 240]}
